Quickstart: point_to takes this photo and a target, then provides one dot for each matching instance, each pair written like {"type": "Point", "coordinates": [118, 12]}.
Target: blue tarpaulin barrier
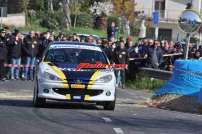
{"type": "Point", "coordinates": [186, 80]}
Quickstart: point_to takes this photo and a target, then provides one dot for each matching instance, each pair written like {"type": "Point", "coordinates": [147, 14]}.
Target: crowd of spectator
{"type": "Point", "coordinates": [19, 52]}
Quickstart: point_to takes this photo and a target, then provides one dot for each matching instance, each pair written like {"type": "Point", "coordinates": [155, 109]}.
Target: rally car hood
{"type": "Point", "coordinates": [83, 76]}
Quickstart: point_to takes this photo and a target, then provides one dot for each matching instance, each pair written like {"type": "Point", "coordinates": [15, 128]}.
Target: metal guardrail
{"type": "Point", "coordinates": [156, 73]}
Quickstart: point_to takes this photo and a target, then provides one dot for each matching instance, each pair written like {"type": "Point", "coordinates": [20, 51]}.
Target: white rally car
{"type": "Point", "coordinates": [57, 77]}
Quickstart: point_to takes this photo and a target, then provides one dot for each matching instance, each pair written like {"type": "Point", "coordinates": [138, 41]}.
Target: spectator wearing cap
{"type": "Point", "coordinates": [30, 48]}
{"type": "Point", "coordinates": [3, 53]}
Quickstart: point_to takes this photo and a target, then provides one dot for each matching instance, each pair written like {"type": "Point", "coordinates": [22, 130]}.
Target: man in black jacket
{"type": "Point", "coordinates": [105, 47]}
{"type": "Point", "coordinates": [3, 53]}
{"type": "Point", "coordinates": [15, 53]}
{"type": "Point", "coordinates": [30, 49]}
{"type": "Point", "coordinates": [155, 55]}
{"type": "Point", "coordinates": [121, 57]}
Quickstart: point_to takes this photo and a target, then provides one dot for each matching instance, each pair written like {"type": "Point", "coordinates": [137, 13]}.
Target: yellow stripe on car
{"type": "Point", "coordinates": [61, 75]}
{"type": "Point", "coordinates": [65, 85]}
{"type": "Point", "coordinates": [68, 96]}
{"type": "Point", "coordinates": [59, 72]}
{"type": "Point", "coordinates": [86, 98]}
{"type": "Point", "coordinates": [93, 79]}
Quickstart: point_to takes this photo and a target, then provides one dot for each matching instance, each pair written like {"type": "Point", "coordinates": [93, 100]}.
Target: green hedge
{"type": "Point", "coordinates": [145, 83]}
{"type": "Point", "coordinates": [83, 20]}
{"type": "Point", "coordinates": [52, 20]}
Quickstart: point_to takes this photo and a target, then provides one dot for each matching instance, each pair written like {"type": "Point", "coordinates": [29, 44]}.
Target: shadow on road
{"type": "Point", "coordinates": [17, 103]}
{"type": "Point", "coordinates": [49, 104]}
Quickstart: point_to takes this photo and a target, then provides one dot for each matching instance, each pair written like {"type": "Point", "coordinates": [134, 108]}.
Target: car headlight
{"type": "Point", "coordinates": [49, 76]}
{"type": "Point", "coordinates": [104, 79]}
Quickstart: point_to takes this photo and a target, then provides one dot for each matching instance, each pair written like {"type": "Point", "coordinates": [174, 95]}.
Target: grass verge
{"type": "Point", "coordinates": [145, 83]}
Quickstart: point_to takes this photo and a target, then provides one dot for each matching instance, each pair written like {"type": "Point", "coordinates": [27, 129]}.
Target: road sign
{"type": "Point", "coordinates": [156, 17]}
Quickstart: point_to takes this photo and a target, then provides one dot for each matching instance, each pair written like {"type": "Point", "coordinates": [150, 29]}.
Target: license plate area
{"type": "Point", "coordinates": [77, 97]}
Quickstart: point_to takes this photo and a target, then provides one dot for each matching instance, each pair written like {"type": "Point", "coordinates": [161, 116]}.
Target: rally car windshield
{"type": "Point", "coordinates": [75, 56]}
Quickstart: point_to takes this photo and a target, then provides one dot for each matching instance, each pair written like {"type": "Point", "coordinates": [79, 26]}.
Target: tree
{"type": "Point", "coordinates": [50, 5]}
{"type": "Point", "coordinates": [37, 5]}
{"type": "Point", "coordinates": [24, 5]}
{"type": "Point", "coordinates": [75, 6]}
{"type": "Point", "coordinates": [67, 11]}
{"type": "Point", "coordinates": [125, 9]}
{"type": "Point", "coordinates": [86, 4]}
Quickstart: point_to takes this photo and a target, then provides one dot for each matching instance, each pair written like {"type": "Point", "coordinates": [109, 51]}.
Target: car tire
{"type": "Point", "coordinates": [109, 105]}
{"type": "Point", "coordinates": [37, 102]}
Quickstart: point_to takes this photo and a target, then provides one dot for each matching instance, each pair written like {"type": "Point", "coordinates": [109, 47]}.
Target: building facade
{"type": "Point", "coordinates": [170, 10]}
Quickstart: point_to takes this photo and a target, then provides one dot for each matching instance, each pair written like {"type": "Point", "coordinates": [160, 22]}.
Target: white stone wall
{"type": "Point", "coordinates": [197, 5]}
{"type": "Point", "coordinates": [17, 20]}
{"type": "Point", "coordinates": [173, 8]}
{"type": "Point", "coordinates": [144, 5]}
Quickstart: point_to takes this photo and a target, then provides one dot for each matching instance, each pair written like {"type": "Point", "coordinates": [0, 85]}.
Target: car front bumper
{"type": "Point", "coordinates": [77, 92]}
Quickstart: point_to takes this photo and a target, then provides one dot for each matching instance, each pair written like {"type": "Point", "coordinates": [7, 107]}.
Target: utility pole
{"type": "Point", "coordinates": [156, 21]}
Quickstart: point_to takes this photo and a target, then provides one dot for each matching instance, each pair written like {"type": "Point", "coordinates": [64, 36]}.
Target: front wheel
{"type": "Point", "coordinates": [109, 105]}
{"type": "Point", "coordinates": [37, 102]}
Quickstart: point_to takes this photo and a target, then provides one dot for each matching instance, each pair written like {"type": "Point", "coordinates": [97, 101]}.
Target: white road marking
{"type": "Point", "coordinates": [118, 131]}
{"type": "Point", "coordinates": [15, 95]}
{"type": "Point", "coordinates": [106, 119]}
{"type": "Point", "coordinates": [134, 114]}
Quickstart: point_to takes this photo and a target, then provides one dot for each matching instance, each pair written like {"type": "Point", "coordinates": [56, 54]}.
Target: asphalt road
{"type": "Point", "coordinates": [17, 116]}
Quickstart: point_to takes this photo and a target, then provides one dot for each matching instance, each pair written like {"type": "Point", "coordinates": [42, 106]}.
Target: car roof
{"type": "Point", "coordinates": [70, 44]}
{"type": "Point", "coordinates": [73, 43]}
{"type": "Point", "coordinates": [87, 35]}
